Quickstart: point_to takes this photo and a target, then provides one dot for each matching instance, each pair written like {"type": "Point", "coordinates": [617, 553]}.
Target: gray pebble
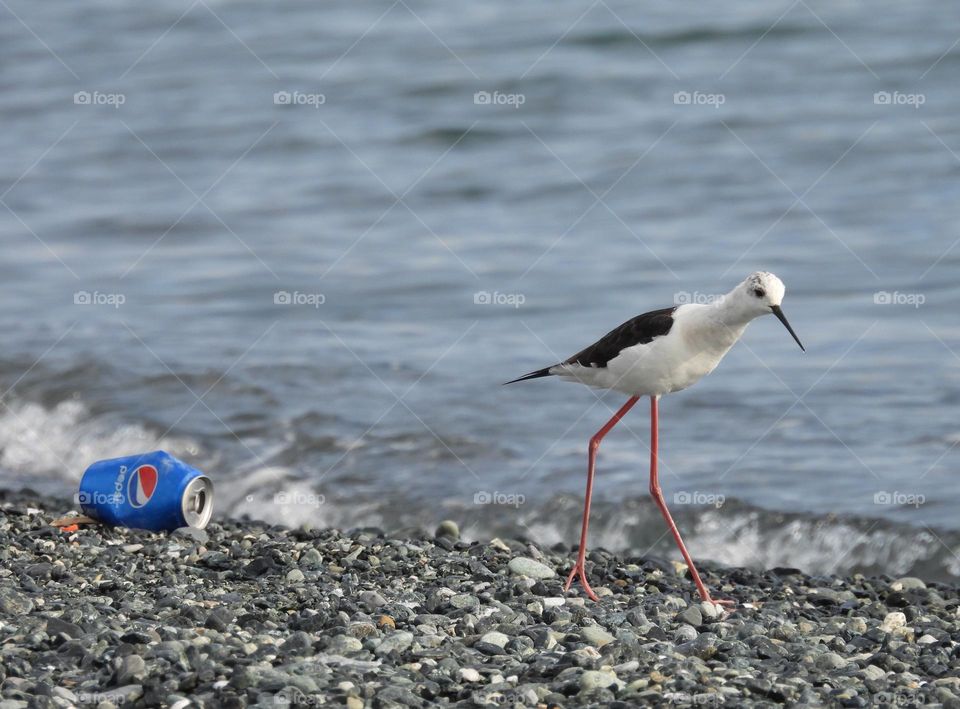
{"type": "Point", "coordinates": [523, 566]}
{"type": "Point", "coordinates": [13, 603]}
{"type": "Point", "coordinates": [449, 529]}
{"type": "Point", "coordinates": [830, 661]}
{"type": "Point", "coordinates": [132, 670]}
{"type": "Point", "coordinates": [398, 641]}
{"type": "Point", "coordinates": [311, 558]}
{"type": "Point", "coordinates": [908, 583]}
{"type": "Point", "coordinates": [596, 636]}
{"type": "Point", "coordinates": [372, 601]}
{"type": "Point", "coordinates": [464, 600]}
{"type": "Point", "coordinates": [594, 679]}
{"type": "Point", "coordinates": [691, 615]}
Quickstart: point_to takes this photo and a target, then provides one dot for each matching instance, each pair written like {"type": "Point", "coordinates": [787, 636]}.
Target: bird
{"type": "Point", "coordinates": [657, 353]}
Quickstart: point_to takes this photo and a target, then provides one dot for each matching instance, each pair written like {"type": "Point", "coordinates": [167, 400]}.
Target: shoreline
{"type": "Point", "coordinates": [249, 614]}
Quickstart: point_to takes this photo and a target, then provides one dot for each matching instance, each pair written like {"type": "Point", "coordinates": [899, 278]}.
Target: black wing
{"type": "Point", "coordinates": [635, 331]}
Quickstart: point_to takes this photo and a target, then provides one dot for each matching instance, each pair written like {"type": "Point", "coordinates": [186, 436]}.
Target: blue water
{"type": "Point", "coordinates": [187, 164]}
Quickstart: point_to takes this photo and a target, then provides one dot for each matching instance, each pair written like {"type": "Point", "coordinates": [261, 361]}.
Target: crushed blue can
{"type": "Point", "coordinates": [152, 491]}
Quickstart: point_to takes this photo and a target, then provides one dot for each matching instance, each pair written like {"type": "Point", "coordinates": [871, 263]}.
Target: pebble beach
{"type": "Point", "coordinates": [248, 614]}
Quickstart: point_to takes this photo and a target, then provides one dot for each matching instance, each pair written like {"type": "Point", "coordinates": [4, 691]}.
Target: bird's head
{"type": "Point", "coordinates": [761, 293]}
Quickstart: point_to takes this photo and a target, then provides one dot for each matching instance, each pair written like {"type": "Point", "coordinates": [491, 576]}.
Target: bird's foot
{"type": "Point", "coordinates": [727, 604]}
{"type": "Point", "coordinates": [580, 572]}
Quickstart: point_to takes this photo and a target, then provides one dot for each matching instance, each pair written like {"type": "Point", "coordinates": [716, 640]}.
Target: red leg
{"type": "Point", "coordinates": [579, 569]}
{"type": "Point", "coordinates": [658, 498]}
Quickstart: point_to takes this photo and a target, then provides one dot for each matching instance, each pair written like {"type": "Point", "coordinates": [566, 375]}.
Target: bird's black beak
{"type": "Point", "coordinates": [778, 311]}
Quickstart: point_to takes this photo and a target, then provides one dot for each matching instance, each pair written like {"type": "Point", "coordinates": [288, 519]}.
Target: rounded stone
{"type": "Point", "coordinates": [596, 636]}
{"type": "Point", "coordinates": [524, 566]}
{"type": "Point", "coordinates": [448, 529]}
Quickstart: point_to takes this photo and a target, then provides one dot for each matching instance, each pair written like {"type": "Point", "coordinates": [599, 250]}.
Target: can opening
{"type": "Point", "coordinates": [197, 502]}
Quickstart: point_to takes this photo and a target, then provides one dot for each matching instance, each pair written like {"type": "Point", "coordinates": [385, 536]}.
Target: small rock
{"type": "Point", "coordinates": [127, 694]}
{"type": "Point", "coordinates": [57, 626]}
{"type": "Point", "coordinates": [907, 583]}
{"type": "Point", "coordinates": [893, 620]}
{"type": "Point", "coordinates": [524, 566]}
{"type": "Point", "coordinates": [464, 600]}
{"type": "Point", "coordinates": [449, 529]}
{"type": "Point", "coordinates": [830, 661]}
{"type": "Point", "coordinates": [691, 615]}
{"type": "Point", "coordinates": [298, 643]}
{"type": "Point", "coordinates": [295, 576]}
{"type": "Point", "coordinates": [598, 679]}
{"type": "Point", "coordinates": [398, 641]}
{"type": "Point", "coordinates": [220, 618]}
{"type": "Point", "coordinates": [596, 636]}
{"type": "Point", "coordinates": [372, 601]}
{"type": "Point", "coordinates": [64, 693]}
{"type": "Point", "coordinates": [825, 596]}
{"type": "Point", "coordinates": [345, 645]}
{"type": "Point", "coordinates": [857, 625]}
{"type": "Point", "coordinates": [14, 603]}
{"type": "Point", "coordinates": [132, 670]}
{"type": "Point", "coordinates": [495, 638]}
{"type": "Point", "coordinates": [468, 674]}
{"type": "Point", "coordinates": [711, 610]}
{"type": "Point", "coordinates": [311, 558]}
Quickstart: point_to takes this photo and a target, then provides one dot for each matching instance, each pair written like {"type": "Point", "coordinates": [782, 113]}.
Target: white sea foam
{"type": "Point", "coordinates": [60, 442]}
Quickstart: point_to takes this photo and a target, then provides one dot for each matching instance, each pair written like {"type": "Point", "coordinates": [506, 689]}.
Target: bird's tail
{"type": "Point", "coordinates": [545, 372]}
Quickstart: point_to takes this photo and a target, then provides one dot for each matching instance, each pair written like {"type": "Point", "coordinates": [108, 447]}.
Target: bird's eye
{"type": "Point", "coordinates": [759, 292]}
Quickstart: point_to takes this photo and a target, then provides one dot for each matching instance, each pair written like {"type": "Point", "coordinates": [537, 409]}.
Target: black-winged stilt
{"type": "Point", "coordinates": [658, 353]}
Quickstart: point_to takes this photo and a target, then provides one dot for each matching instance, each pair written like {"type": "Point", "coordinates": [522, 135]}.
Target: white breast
{"type": "Point", "coordinates": [692, 349]}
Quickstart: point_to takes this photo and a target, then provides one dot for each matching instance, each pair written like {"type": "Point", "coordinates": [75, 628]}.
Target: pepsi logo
{"type": "Point", "coordinates": [141, 485]}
